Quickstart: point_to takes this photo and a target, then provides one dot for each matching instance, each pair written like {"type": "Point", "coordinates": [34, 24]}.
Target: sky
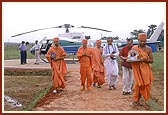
{"type": "Point", "coordinates": [119, 17]}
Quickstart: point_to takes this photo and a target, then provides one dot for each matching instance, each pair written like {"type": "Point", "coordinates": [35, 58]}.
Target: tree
{"type": "Point", "coordinates": [116, 38]}
{"type": "Point", "coordinates": [134, 34]}
{"type": "Point", "coordinates": [151, 29]}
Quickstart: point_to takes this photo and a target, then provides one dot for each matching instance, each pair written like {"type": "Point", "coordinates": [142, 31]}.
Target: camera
{"type": "Point", "coordinates": [113, 58]}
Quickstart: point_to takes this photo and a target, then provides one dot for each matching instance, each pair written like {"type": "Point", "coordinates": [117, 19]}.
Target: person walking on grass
{"type": "Point", "coordinates": [143, 76]}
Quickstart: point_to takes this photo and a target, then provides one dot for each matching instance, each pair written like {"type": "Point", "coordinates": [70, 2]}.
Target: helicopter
{"type": "Point", "coordinates": [70, 41]}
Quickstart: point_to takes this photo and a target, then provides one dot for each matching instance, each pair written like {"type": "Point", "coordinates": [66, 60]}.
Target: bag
{"type": "Point", "coordinates": [126, 64]}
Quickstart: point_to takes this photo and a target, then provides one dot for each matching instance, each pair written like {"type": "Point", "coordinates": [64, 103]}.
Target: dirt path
{"type": "Point", "coordinates": [98, 99]}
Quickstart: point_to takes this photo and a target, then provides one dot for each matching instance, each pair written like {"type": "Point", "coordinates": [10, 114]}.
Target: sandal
{"type": "Point", "coordinates": [124, 93]}
{"type": "Point", "coordinates": [109, 88]}
{"type": "Point", "coordinates": [114, 87]}
{"type": "Point", "coordinates": [128, 93]}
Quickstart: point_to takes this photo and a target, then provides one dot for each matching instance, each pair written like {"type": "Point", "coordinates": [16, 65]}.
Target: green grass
{"type": "Point", "coordinates": [157, 91]}
{"type": "Point", "coordinates": [158, 58]}
{"type": "Point", "coordinates": [11, 51]}
{"type": "Point", "coordinates": [36, 98]}
{"type": "Point", "coordinates": [26, 89]}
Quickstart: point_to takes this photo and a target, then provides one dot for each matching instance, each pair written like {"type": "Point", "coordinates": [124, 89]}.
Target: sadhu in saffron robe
{"type": "Point", "coordinates": [142, 76]}
{"type": "Point", "coordinates": [98, 66]}
{"type": "Point", "coordinates": [58, 67]}
{"type": "Point", "coordinates": [85, 65]}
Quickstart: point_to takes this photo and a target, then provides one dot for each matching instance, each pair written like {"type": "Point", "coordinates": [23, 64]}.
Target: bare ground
{"type": "Point", "coordinates": [98, 99]}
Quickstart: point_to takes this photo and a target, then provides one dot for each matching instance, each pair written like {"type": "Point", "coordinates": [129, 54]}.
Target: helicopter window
{"type": "Point", "coordinates": [76, 37]}
{"type": "Point", "coordinates": [50, 42]}
{"type": "Point", "coordinates": [104, 38]}
{"type": "Point", "coordinates": [45, 44]}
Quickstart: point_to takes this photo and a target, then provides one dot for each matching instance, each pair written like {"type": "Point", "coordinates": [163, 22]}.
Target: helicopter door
{"type": "Point", "coordinates": [45, 46]}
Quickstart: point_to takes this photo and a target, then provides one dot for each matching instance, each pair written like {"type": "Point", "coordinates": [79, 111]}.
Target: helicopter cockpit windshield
{"type": "Point", "coordinates": [77, 37]}
{"type": "Point", "coordinates": [45, 45]}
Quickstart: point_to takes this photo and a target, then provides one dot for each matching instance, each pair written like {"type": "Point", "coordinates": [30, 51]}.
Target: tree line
{"type": "Point", "coordinates": [150, 31]}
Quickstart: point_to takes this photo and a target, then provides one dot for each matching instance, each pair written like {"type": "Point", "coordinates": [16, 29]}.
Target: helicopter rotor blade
{"type": "Point", "coordinates": [95, 28]}
{"type": "Point", "coordinates": [35, 31]}
{"type": "Point", "coordinates": [62, 26]}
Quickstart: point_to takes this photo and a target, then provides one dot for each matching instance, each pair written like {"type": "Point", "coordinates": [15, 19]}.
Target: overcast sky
{"type": "Point", "coordinates": [120, 18]}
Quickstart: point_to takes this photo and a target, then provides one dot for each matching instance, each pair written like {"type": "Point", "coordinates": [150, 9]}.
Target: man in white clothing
{"type": "Point", "coordinates": [37, 52]}
{"type": "Point", "coordinates": [110, 54]}
{"type": "Point", "coordinates": [127, 76]}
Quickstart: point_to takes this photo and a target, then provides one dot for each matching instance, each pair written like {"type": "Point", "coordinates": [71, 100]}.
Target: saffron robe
{"type": "Point", "coordinates": [85, 65]}
{"type": "Point", "coordinates": [58, 67]}
{"type": "Point", "coordinates": [142, 76]}
{"type": "Point", "coordinates": [98, 67]}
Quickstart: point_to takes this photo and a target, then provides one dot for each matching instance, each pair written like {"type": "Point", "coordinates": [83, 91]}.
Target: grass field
{"type": "Point", "coordinates": [25, 89]}
{"type": "Point", "coordinates": [157, 92]}
{"type": "Point", "coordinates": [11, 51]}
{"type": "Point", "coordinates": [30, 89]}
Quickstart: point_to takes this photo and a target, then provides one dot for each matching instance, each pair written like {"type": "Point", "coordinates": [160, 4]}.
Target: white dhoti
{"type": "Point", "coordinates": [111, 67]}
{"type": "Point", "coordinates": [127, 79]}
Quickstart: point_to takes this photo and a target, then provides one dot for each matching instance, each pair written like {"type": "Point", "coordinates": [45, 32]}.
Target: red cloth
{"type": "Point", "coordinates": [124, 52]}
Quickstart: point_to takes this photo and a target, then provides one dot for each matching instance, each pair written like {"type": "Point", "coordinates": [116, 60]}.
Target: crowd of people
{"type": "Point", "coordinates": [99, 65]}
